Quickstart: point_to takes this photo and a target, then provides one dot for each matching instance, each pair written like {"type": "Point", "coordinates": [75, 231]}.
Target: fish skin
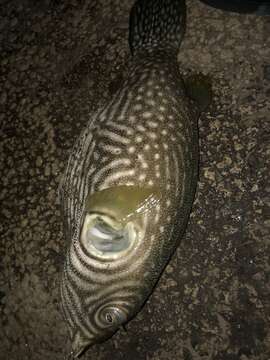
{"type": "Point", "coordinates": [145, 136]}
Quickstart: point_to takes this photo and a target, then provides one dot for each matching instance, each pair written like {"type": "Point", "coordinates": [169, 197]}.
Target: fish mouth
{"type": "Point", "coordinates": [80, 344]}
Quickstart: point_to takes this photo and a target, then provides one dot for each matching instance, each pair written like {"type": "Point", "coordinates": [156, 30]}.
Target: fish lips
{"type": "Point", "coordinates": [80, 343]}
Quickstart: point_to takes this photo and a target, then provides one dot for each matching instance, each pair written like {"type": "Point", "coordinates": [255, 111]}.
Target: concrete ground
{"type": "Point", "coordinates": [59, 61]}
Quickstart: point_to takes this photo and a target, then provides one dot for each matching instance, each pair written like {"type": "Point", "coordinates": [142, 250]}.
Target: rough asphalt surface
{"type": "Point", "coordinates": [59, 61]}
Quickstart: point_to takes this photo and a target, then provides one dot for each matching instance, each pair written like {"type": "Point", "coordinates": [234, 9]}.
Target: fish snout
{"type": "Point", "coordinates": [80, 344]}
{"type": "Point", "coordinates": [107, 319]}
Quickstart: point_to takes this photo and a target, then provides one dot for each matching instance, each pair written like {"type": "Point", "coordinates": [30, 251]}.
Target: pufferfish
{"type": "Point", "coordinates": [130, 181]}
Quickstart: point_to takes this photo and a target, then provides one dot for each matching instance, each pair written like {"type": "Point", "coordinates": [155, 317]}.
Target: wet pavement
{"type": "Point", "coordinates": [59, 62]}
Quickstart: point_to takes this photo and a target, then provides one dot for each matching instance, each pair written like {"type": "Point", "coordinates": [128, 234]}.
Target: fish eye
{"type": "Point", "coordinates": [114, 316]}
{"type": "Point", "coordinates": [109, 318]}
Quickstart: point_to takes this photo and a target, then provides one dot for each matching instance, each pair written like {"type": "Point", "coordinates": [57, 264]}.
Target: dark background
{"type": "Point", "coordinates": [59, 61]}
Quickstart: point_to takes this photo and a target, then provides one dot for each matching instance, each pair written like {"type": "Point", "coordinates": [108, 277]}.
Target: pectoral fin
{"type": "Point", "coordinates": [199, 88]}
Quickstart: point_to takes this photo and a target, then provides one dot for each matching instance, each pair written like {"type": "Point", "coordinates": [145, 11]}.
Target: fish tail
{"type": "Point", "coordinates": [157, 24]}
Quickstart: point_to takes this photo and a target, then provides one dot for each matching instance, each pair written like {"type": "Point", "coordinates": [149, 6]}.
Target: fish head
{"type": "Point", "coordinates": [106, 287]}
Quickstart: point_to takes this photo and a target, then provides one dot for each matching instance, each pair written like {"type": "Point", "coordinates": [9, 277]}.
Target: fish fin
{"type": "Point", "coordinates": [199, 88]}
{"type": "Point", "coordinates": [157, 24]}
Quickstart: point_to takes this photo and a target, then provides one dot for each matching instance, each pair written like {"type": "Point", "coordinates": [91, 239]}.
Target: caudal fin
{"type": "Point", "coordinates": [157, 24]}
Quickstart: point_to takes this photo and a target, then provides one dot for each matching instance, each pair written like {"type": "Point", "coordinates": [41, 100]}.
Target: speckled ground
{"type": "Point", "coordinates": [59, 60]}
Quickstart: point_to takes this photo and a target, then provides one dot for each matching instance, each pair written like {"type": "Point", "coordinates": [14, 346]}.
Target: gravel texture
{"type": "Point", "coordinates": [59, 61]}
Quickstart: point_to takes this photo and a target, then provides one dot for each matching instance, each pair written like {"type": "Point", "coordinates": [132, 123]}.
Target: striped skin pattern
{"type": "Point", "coordinates": [145, 137]}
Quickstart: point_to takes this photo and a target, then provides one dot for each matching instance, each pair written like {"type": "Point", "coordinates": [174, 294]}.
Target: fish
{"type": "Point", "coordinates": [129, 185]}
